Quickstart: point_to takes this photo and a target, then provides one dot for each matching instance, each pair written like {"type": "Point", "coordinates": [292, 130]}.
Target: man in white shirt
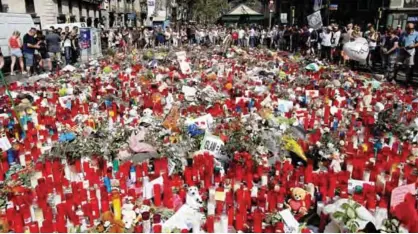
{"type": "Point", "coordinates": [252, 38]}
{"type": "Point", "coordinates": [241, 35]}
{"type": "Point", "coordinates": [335, 41]}
{"type": "Point", "coordinates": [326, 43]}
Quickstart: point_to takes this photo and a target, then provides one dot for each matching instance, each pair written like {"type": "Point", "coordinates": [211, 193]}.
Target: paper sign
{"type": "Point", "coordinates": [315, 20]}
{"type": "Point", "coordinates": [289, 220]}
{"type": "Point", "coordinates": [212, 143]}
{"type": "Point", "coordinates": [5, 144]}
{"type": "Point", "coordinates": [203, 122]}
{"type": "Point", "coordinates": [148, 192]}
{"type": "Point", "coordinates": [184, 66]}
{"type": "Point", "coordinates": [357, 50]}
{"type": "Point", "coordinates": [399, 193]}
{"type": "Point", "coordinates": [220, 196]}
{"type": "Point", "coordinates": [284, 105]}
{"type": "Point", "coordinates": [188, 91]}
{"type": "Point", "coordinates": [352, 184]}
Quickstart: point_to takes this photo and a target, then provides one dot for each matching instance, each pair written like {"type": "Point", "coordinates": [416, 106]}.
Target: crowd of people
{"type": "Point", "coordinates": [38, 53]}
{"type": "Point", "coordinates": [389, 48]}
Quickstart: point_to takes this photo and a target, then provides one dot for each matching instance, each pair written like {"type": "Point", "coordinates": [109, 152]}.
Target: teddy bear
{"type": "Point", "coordinates": [297, 203]}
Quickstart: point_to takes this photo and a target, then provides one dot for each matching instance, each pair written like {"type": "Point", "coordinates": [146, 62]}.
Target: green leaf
{"type": "Point", "coordinates": [345, 206]}
{"type": "Point", "coordinates": [338, 214]}
{"type": "Point", "coordinates": [351, 213]}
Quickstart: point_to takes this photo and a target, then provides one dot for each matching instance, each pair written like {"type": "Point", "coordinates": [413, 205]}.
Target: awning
{"type": "Point", "coordinates": [242, 13]}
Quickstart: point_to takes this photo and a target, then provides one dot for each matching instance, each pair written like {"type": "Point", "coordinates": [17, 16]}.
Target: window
{"type": "Point", "coordinates": [30, 6]}
{"type": "Point", "coordinates": [59, 3]}
{"type": "Point", "coordinates": [70, 6]}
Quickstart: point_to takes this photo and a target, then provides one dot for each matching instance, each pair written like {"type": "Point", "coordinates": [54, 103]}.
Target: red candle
{"type": "Point", "coordinates": [231, 216]}
{"type": "Point", "coordinates": [34, 227]}
{"type": "Point", "coordinates": [257, 220]}
{"type": "Point", "coordinates": [210, 222]}
{"type": "Point", "coordinates": [239, 222]}
{"type": "Point", "coordinates": [327, 114]}
{"type": "Point", "coordinates": [157, 195]}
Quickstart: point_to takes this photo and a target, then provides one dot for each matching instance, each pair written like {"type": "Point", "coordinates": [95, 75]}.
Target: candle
{"type": "Point", "coordinates": [157, 194]}
{"type": "Point", "coordinates": [224, 224]}
{"type": "Point", "coordinates": [116, 205]}
{"type": "Point", "coordinates": [210, 222]}
{"type": "Point", "coordinates": [239, 222]}
{"type": "Point", "coordinates": [146, 222]}
{"type": "Point", "coordinates": [106, 181]}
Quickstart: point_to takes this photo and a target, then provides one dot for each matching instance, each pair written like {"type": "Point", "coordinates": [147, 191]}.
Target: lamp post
{"type": "Point", "coordinates": [270, 12]}
{"type": "Point", "coordinates": [293, 14]}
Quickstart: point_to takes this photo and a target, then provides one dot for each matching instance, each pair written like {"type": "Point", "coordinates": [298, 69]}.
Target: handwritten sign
{"type": "Point", "coordinates": [399, 193]}
{"type": "Point", "coordinates": [357, 50]}
{"type": "Point", "coordinates": [212, 143]}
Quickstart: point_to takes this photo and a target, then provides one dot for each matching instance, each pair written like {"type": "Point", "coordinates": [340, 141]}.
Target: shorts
{"type": "Point", "coordinates": [16, 52]}
{"type": "Point", "coordinates": [28, 59]}
{"type": "Point", "coordinates": [45, 55]}
{"type": "Point", "coordinates": [55, 56]}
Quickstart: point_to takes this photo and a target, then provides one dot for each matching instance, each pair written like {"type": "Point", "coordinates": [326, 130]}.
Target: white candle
{"type": "Point", "coordinates": [22, 160]}
{"type": "Point", "coordinates": [366, 175]}
{"type": "Point", "coordinates": [264, 180]}
{"type": "Point", "coordinates": [224, 223]}
{"type": "Point", "coordinates": [350, 168]}
{"type": "Point", "coordinates": [212, 192]}
{"type": "Point", "coordinates": [211, 209]}
{"type": "Point", "coordinates": [34, 179]}
{"type": "Point", "coordinates": [67, 171]}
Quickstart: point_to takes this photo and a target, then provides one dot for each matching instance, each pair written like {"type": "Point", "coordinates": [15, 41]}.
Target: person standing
{"type": "Point", "coordinates": [241, 34]}
{"type": "Point", "coordinates": [326, 43]}
{"type": "Point", "coordinates": [252, 37]}
{"type": "Point", "coordinates": [372, 38]}
{"type": "Point", "coordinates": [335, 43]}
{"type": "Point", "coordinates": [43, 52]}
{"type": "Point", "coordinates": [67, 44]}
{"type": "Point", "coordinates": [390, 52]}
{"type": "Point", "coordinates": [29, 46]}
{"type": "Point", "coordinates": [15, 45]}
{"type": "Point", "coordinates": [407, 43]}
{"type": "Point", "coordinates": [53, 42]}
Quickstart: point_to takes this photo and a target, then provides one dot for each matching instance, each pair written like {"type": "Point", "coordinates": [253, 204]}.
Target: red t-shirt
{"type": "Point", "coordinates": [235, 35]}
{"type": "Point", "coordinates": [14, 43]}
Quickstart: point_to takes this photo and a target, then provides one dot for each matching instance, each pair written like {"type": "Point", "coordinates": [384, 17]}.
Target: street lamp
{"type": "Point", "coordinates": [293, 14]}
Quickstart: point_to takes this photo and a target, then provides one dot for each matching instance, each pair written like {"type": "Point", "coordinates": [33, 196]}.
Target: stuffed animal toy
{"type": "Point", "coordinates": [128, 215]}
{"type": "Point", "coordinates": [297, 203]}
{"type": "Point", "coordinates": [115, 226]}
{"type": "Point", "coordinates": [188, 215]}
{"type": "Point", "coordinates": [193, 198]}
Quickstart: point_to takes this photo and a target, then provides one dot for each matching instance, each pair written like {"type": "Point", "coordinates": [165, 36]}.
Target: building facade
{"type": "Point", "coordinates": [109, 13]}
{"type": "Point", "coordinates": [401, 12]}
{"type": "Point", "coordinates": [339, 11]}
